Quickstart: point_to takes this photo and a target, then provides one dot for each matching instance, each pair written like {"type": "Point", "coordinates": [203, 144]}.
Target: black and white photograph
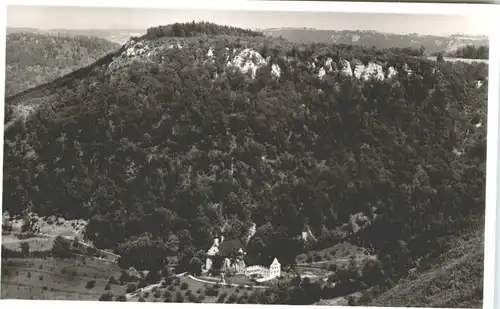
{"type": "Point", "coordinates": [245, 156]}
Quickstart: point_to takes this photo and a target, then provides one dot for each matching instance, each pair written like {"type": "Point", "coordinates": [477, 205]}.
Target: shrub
{"type": "Point", "coordinates": [232, 299]}
{"type": "Point", "coordinates": [108, 296]}
{"type": "Point", "coordinates": [152, 277]}
{"type": "Point", "coordinates": [90, 284]}
{"type": "Point", "coordinates": [157, 294]}
{"type": "Point", "coordinates": [107, 287]}
{"type": "Point", "coordinates": [184, 286]}
{"type": "Point", "coordinates": [61, 247]}
{"type": "Point", "coordinates": [211, 291]}
{"type": "Point", "coordinates": [351, 301]}
{"type": "Point", "coordinates": [121, 298]}
{"type": "Point", "coordinates": [333, 267]}
{"type": "Point", "coordinates": [29, 274]}
{"type": "Point", "coordinates": [167, 297]}
{"type": "Point", "coordinates": [221, 298]}
{"type": "Point", "coordinates": [131, 287]}
{"type": "Point", "coordinates": [179, 298]}
{"type": "Point", "coordinates": [141, 299]}
{"type": "Point", "coordinates": [40, 277]}
{"type": "Point", "coordinates": [146, 294]}
{"type": "Point", "coordinates": [142, 283]}
{"type": "Point", "coordinates": [124, 277]}
{"type": "Point", "coordinates": [112, 280]}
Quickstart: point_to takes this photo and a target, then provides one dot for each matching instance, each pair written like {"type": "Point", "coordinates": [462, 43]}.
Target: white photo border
{"type": "Point", "coordinates": [487, 11]}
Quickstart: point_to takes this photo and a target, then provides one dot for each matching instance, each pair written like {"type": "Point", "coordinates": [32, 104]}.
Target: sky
{"type": "Point", "coordinates": [46, 17]}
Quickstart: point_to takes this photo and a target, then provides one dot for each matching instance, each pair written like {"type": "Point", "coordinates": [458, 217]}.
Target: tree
{"type": "Point", "coordinates": [131, 288]}
{"type": "Point", "coordinates": [439, 57]}
{"type": "Point", "coordinates": [6, 225]}
{"type": "Point", "coordinates": [27, 225]}
{"type": "Point", "coordinates": [61, 247]}
{"type": "Point", "coordinates": [108, 296]}
{"type": "Point", "coordinates": [90, 284]}
{"type": "Point", "coordinates": [25, 249]}
{"type": "Point", "coordinates": [143, 252]}
{"type": "Point", "coordinates": [422, 50]}
{"type": "Point", "coordinates": [195, 265]}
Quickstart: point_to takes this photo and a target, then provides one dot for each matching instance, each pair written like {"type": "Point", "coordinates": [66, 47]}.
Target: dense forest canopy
{"type": "Point", "coordinates": [471, 52]}
{"type": "Point", "coordinates": [195, 29]}
{"type": "Point", "coordinates": [159, 151]}
{"type": "Point", "coordinates": [33, 59]}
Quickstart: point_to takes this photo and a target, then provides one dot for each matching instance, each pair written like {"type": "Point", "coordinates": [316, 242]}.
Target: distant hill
{"type": "Point", "coordinates": [431, 43]}
{"type": "Point", "coordinates": [23, 29]}
{"type": "Point", "coordinates": [34, 58]}
{"type": "Point", "coordinates": [118, 36]}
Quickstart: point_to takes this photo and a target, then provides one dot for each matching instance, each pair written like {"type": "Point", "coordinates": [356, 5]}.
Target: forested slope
{"type": "Point", "coordinates": [194, 125]}
{"type": "Point", "coordinates": [453, 280]}
{"type": "Point", "coordinates": [36, 58]}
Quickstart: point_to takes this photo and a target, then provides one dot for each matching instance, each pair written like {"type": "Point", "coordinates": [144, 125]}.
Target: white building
{"type": "Point", "coordinates": [234, 261]}
{"type": "Point", "coordinates": [265, 273]}
{"type": "Point", "coordinates": [275, 269]}
{"type": "Point", "coordinates": [211, 252]}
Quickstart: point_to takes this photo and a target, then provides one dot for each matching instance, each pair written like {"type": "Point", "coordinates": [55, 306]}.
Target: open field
{"type": "Point", "coordinates": [342, 250]}
{"type": "Point", "coordinates": [338, 255]}
{"type": "Point", "coordinates": [11, 242]}
{"type": "Point", "coordinates": [186, 289]}
{"type": "Point", "coordinates": [57, 279]}
{"type": "Point", "coordinates": [52, 279]}
{"type": "Point", "coordinates": [51, 226]}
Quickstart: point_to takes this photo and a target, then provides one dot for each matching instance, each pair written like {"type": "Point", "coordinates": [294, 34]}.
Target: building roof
{"type": "Point", "coordinates": [251, 259]}
{"type": "Point", "coordinates": [212, 251]}
{"type": "Point", "coordinates": [230, 246]}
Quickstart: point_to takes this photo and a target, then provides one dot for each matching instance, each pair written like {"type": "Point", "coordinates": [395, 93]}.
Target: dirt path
{"type": "Point", "coordinates": [230, 284]}
{"type": "Point", "coordinates": [338, 301]}
{"type": "Point", "coordinates": [14, 241]}
{"type": "Point", "coordinates": [370, 257]}
{"type": "Point", "coordinates": [149, 287]}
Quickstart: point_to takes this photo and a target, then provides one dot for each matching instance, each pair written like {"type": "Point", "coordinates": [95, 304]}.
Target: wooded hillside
{"type": "Point", "coordinates": [167, 142]}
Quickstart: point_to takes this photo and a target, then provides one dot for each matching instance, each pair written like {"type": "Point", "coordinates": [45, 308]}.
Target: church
{"type": "Point", "coordinates": [229, 257]}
